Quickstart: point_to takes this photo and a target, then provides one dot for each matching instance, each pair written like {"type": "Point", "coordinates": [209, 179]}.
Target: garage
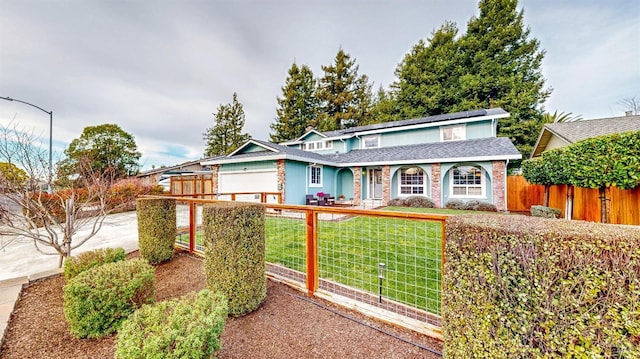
{"type": "Point", "coordinates": [248, 181]}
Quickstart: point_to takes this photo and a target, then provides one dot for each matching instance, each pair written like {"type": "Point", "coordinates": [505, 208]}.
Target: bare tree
{"type": "Point", "coordinates": [57, 222]}
{"type": "Point", "coordinates": [630, 104]}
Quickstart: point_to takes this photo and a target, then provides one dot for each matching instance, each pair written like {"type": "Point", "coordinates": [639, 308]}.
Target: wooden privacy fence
{"type": "Point", "coordinates": [623, 205]}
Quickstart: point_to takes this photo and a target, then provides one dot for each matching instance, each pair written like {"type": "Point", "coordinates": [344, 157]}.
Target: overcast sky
{"type": "Point", "coordinates": [159, 69]}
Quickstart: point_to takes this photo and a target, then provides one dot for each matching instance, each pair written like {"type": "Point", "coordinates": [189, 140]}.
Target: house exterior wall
{"type": "Point", "coordinates": [446, 181]}
{"type": "Point", "coordinates": [395, 179]}
{"type": "Point", "coordinates": [295, 182]}
{"type": "Point", "coordinates": [555, 142]}
{"type": "Point", "coordinates": [480, 129]}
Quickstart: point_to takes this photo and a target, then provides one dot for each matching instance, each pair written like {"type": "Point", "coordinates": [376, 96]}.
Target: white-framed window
{"type": "Point", "coordinates": [413, 180]}
{"type": "Point", "coordinates": [371, 141]}
{"type": "Point", "coordinates": [315, 176]}
{"type": "Point", "coordinates": [453, 133]}
{"type": "Point", "coordinates": [467, 181]}
{"type": "Point", "coordinates": [317, 145]}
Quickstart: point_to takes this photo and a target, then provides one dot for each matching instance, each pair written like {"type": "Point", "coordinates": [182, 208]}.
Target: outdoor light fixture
{"type": "Point", "coordinates": [380, 279]}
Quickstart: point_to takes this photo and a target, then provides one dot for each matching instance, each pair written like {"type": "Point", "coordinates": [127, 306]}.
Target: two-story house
{"type": "Point", "coordinates": [443, 157]}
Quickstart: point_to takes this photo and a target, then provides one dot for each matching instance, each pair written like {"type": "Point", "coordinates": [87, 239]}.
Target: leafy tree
{"type": "Point", "coordinates": [226, 134]}
{"type": "Point", "coordinates": [105, 148]}
{"type": "Point", "coordinates": [345, 97]}
{"type": "Point", "coordinates": [59, 222]}
{"type": "Point", "coordinates": [298, 107]}
{"type": "Point", "coordinates": [11, 175]}
{"type": "Point", "coordinates": [494, 64]}
{"type": "Point", "coordinates": [502, 69]}
{"type": "Point", "coordinates": [428, 76]}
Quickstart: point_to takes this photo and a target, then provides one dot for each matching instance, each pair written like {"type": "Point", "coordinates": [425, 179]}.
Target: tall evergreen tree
{"type": "Point", "coordinates": [226, 134]}
{"type": "Point", "coordinates": [502, 65]}
{"type": "Point", "coordinates": [428, 76]}
{"type": "Point", "coordinates": [298, 106]}
{"type": "Point", "coordinates": [345, 97]}
{"type": "Point", "coordinates": [494, 64]}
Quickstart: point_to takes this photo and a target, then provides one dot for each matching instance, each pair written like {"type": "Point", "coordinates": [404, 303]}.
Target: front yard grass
{"type": "Point", "coordinates": [351, 250]}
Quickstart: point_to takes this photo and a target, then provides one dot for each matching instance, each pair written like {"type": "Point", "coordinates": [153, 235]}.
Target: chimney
{"type": "Point", "coordinates": [628, 113]}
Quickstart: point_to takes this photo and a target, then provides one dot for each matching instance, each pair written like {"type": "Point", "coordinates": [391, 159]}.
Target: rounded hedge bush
{"type": "Point", "coordinates": [87, 260]}
{"type": "Point", "coordinates": [418, 202]}
{"type": "Point", "coordinates": [455, 204]}
{"type": "Point", "coordinates": [98, 300]}
{"type": "Point", "coordinates": [188, 327]}
{"type": "Point", "coordinates": [156, 228]}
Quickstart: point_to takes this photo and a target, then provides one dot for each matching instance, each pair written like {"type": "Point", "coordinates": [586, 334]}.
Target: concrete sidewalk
{"type": "Point", "coordinates": [21, 263]}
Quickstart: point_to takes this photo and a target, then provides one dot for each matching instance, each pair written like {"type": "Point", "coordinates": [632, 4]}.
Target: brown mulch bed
{"type": "Point", "coordinates": [287, 325]}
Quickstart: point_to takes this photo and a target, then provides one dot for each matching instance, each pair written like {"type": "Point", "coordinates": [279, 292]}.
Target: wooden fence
{"type": "Point", "coordinates": [623, 205]}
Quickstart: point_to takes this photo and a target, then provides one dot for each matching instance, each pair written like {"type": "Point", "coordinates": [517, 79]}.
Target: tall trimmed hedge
{"type": "Point", "coordinates": [521, 287]}
{"type": "Point", "coordinates": [98, 300]}
{"type": "Point", "coordinates": [235, 253]}
{"type": "Point", "coordinates": [156, 228]}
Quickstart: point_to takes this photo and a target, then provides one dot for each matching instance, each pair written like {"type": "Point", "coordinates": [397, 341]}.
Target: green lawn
{"type": "Point", "coordinates": [350, 252]}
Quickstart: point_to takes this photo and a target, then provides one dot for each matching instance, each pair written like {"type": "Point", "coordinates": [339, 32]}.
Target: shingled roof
{"type": "Point", "coordinates": [571, 132]}
{"type": "Point", "coordinates": [483, 149]}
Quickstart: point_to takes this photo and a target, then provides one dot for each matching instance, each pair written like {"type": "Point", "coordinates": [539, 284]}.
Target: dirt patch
{"type": "Point", "coordinates": [287, 325]}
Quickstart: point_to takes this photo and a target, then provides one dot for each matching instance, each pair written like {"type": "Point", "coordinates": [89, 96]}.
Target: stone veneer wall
{"type": "Point", "coordinates": [281, 180]}
{"type": "Point", "coordinates": [498, 180]}
{"type": "Point", "coordinates": [357, 185]}
{"type": "Point", "coordinates": [386, 185]}
{"type": "Point", "coordinates": [214, 178]}
{"type": "Point", "coordinates": [436, 186]}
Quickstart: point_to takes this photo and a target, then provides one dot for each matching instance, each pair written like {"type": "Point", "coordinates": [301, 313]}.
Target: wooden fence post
{"type": "Point", "coordinates": [312, 252]}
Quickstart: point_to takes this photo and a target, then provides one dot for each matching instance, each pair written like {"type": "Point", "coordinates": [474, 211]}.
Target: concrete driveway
{"type": "Point", "coordinates": [20, 257]}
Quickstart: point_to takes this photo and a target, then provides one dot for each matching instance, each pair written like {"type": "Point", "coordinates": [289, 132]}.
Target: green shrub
{"type": "Point", "coordinates": [156, 228]}
{"type": "Point", "coordinates": [188, 327]}
{"type": "Point", "coordinates": [87, 260]}
{"type": "Point", "coordinates": [523, 287]}
{"type": "Point", "coordinates": [235, 253]}
{"type": "Point", "coordinates": [545, 212]}
{"type": "Point", "coordinates": [98, 300]}
{"type": "Point", "coordinates": [486, 207]}
{"type": "Point", "coordinates": [455, 204]}
{"type": "Point", "coordinates": [418, 202]}
{"type": "Point", "coordinates": [396, 202]}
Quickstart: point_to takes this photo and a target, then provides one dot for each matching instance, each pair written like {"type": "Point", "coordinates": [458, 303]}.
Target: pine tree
{"type": "Point", "coordinates": [298, 106]}
{"type": "Point", "coordinates": [345, 97]}
{"type": "Point", "coordinates": [502, 65]}
{"type": "Point", "coordinates": [429, 74]}
{"type": "Point", "coordinates": [226, 134]}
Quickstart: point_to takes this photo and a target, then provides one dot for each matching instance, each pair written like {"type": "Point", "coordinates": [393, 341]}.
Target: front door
{"type": "Point", "coordinates": [375, 183]}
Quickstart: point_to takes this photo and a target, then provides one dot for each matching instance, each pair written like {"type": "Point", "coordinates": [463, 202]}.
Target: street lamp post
{"type": "Point", "coordinates": [49, 189]}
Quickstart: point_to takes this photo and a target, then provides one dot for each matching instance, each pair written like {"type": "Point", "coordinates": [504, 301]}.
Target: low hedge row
{"type": "Point", "coordinates": [545, 212]}
{"type": "Point", "coordinates": [234, 262]}
{"type": "Point", "coordinates": [517, 286]}
{"type": "Point", "coordinates": [472, 205]}
{"type": "Point", "coordinates": [98, 300]}
{"type": "Point", "coordinates": [87, 260]}
{"type": "Point", "coordinates": [188, 327]}
{"type": "Point", "coordinates": [413, 202]}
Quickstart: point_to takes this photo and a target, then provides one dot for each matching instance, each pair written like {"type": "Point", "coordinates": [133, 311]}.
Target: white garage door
{"type": "Point", "coordinates": [258, 181]}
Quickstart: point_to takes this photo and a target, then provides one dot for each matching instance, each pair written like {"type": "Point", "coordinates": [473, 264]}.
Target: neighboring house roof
{"type": "Point", "coordinates": [169, 169]}
{"type": "Point", "coordinates": [571, 132]}
{"type": "Point", "coordinates": [484, 149]}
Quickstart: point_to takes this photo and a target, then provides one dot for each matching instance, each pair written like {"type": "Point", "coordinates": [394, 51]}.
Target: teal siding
{"type": "Point", "coordinates": [259, 165]}
{"type": "Point", "coordinates": [410, 137]}
{"type": "Point", "coordinates": [313, 137]}
{"type": "Point", "coordinates": [480, 129]}
{"type": "Point", "coordinates": [344, 183]}
{"type": "Point", "coordinates": [295, 182]}
{"type": "Point", "coordinates": [253, 148]}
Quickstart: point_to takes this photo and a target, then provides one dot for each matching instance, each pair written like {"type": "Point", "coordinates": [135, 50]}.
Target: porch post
{"type": "Point", "coordinates": [436, 189]}
{"type": "Point", "coordinates": [357, 185]}
{"type": "Point", "coordinates": [498, 182]}
{"type": "Point", "coordinates": [386, 185]}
